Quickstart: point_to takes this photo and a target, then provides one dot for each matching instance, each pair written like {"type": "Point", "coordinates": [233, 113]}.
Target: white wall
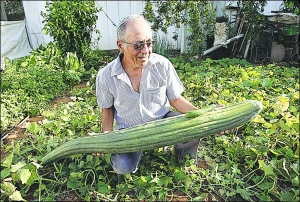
{"type": "Point", "coordinates": [115, 10]}
{"type": "Point", "coordinates": [272, 6]}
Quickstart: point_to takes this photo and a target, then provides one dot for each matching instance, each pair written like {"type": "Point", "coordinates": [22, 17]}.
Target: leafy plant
{"type": "Point", "coordinates": [199, 16]}
{"type": "Point", "coordinates": [291, 6]}
{"type": "Point", "coordinates": [95, 58]}
{"type": "Point", "coordinates": [251, 11]}
{"type": "Point", "coordinates": [162, 46]}
{"type": "Point", "coordinates": [71, 24]}
{"type": "Point", "coordinates": [29, 84]}
{"type": "Point", "coordinates": [13, 9]}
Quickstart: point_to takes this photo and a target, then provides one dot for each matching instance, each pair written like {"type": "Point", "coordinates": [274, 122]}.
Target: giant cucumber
{"type": "Point", "coordinates": [163, 132]}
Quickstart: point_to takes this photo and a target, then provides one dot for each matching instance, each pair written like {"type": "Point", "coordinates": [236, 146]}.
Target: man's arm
{"type": "Point", "coordinates": [182, 105]}
{"type": "Point", "coordinates": [107, 117]}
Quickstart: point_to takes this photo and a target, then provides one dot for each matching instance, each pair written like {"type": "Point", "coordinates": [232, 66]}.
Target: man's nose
{"type": "Point", "coordinates": [145, 48]}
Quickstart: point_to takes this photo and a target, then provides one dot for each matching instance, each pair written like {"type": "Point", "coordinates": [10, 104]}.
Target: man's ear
{"type": "Point", "coordinates": [120, 47]}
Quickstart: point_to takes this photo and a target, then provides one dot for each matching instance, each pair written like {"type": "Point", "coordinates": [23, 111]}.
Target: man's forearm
{"type": "Point", "coordinates": [107, 116]}
{"type": "Point", "coordinates": [182, 105]}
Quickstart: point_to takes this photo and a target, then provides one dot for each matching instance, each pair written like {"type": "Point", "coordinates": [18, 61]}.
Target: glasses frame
{"type": "Point", "coordinates": [139, 45]}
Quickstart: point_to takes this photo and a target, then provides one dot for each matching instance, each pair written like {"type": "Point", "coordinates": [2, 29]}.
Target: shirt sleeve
{"type": "Point", "coordinates": [104, 96]}
{"type": "Point", "coordinates": [174, 84]}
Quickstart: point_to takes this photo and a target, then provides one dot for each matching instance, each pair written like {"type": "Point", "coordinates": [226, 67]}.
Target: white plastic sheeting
{"type": "Point", "coordinates": [14, 41]}
{"type": "Point", "coordinates": [34, 23]}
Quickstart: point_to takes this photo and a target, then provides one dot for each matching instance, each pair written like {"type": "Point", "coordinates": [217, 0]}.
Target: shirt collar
{"type": "Point", "coordinates": [117, 68]}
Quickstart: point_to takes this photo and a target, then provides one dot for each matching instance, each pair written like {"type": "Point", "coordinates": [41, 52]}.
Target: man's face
{"type": "Point", "coordinates": [137, 32]}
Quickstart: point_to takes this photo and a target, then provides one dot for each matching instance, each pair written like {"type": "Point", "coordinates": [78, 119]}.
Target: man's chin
{"type": "Point", "coordinates": [143, 62]}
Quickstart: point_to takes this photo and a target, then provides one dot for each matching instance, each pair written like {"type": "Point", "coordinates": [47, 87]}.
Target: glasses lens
{"type": "Point", "coordinates": [140, 46]}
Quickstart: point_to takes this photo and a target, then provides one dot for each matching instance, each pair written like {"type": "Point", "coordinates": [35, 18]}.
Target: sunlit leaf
{"type": "Point", "coordinates": [268, 169]}
{"type": "Point", "coordinates": [8, 160]}
{"type": "Point", "coordinates": [8, 188]}
{"type": "Point", "coordinates": [281, 105]}
{"type": "Point", "coordinates": [16, 167]}
{"type": "Point", "coordinates": [16, 196]}
{"type": "Point", "coordinates": [258, 119]}
{"type": "Point", "coordinates": [24, 175]}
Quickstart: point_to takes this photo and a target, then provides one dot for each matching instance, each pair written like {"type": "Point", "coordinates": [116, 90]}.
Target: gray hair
{"type": "Point", "coordinates": [121, 31]}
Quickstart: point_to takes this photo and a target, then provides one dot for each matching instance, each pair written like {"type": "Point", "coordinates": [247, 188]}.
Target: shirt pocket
{"type": "Point", "coordinates": [154, 89]}
{"type": "Point", "coordinates": [157, 95]}
{"type": "Point", "coordinates": [156, 86]}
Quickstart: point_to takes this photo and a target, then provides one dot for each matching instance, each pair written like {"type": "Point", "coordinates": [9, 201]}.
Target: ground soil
{"type": "Point", "coordinates": [18, 131]}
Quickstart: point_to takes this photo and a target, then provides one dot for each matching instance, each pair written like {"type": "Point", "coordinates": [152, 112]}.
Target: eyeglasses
{"type": "Point", "coordinates": [140, 45]}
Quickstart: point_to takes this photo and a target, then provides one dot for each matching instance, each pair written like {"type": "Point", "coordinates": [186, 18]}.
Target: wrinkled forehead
{"type": "Point", "coordinates": [138, 30]}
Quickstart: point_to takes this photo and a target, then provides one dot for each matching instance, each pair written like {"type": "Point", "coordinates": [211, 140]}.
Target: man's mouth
{"type": "Point", "coordinates": [143, 58]}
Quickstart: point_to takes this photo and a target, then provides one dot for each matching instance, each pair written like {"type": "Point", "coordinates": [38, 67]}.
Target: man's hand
{"type": "Point", "coordinates": [95, 154]}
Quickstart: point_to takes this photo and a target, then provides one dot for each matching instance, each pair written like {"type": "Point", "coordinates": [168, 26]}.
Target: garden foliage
{"type": "Point", "coordinates": [198, 16]}
{"type": "Point", "coordinates": [28, 85]}
{"type": "Point", "coordinates": [258, 162]}
{"type": "Point", "coordinates": [71, 24]}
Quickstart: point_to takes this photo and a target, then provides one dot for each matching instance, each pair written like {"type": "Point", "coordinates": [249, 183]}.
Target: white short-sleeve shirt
{"type": "Point", "coordinates": [159, 84]}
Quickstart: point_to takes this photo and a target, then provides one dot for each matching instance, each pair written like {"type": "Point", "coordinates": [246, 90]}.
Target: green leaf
{"type": "Point", "coordinates": [201, 197]}
{"type": "Point", "coordinates": [179, 175]}
{"type": "Point", "coordinates": [265, 197]}
{"type": "Point", "coordinates": [295, 181]}
{"type": "Point", "coordinates": [165, 181]}
{"type": "Point", "coordinates": [8, 160]}
{"type": "Point", "coordinates": [15, 168]}
{"type": "Point", "coordinates": [5, 173]}
{"type": "Point", "coordinates": [244, 193]}
{"type": "Point", "coordinates": [8, 188]}
{"type": "Point", "coordinates": [24, 175]}
{"type": "Point", "coordinates": [267, 82]}
{"type": "Point", "coordinates": [16, 196]}
{"type": "Point", "coordinates": [265, 185]}
{"type": "Point", "coordinates": [33, 177]}
{"type": "Point", "coordinates": [281, 105]}
{"type": "Point", "coordinates": [103, 188]}
{"type": "Point", "coordinates": [295, 167]}
{"type": "Point", "coordinates": [286, 196]}
{"type": "Point", "coordinates": [73, 184]}
{"type": "Point", "coordinates": [268, 169]}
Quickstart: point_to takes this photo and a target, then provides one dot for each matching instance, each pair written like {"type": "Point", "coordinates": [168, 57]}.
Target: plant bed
{"type": "Point", "coordinates": [259, 162]}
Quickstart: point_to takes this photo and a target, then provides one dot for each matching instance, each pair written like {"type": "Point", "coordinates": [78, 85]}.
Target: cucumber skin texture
{"type": "Point", "coordinates": [160, 133]}
{"type": "Point", "coordinates": [195, 113]}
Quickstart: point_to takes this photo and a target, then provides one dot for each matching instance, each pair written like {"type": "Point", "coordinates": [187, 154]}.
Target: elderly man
{"type": "Point", "coordinates": [138, 87]}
